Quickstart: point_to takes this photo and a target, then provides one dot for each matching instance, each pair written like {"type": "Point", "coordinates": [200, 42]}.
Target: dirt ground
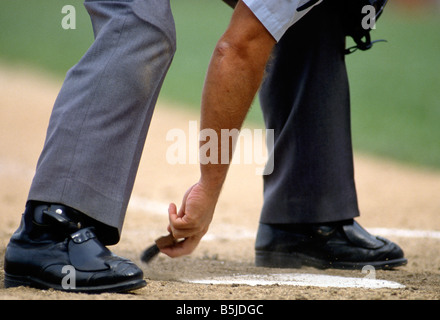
{"type": "Point", "coordinates": [391, 196]}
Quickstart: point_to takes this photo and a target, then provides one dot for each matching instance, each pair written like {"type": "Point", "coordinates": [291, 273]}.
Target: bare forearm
{"type": "Point", "coordinates": [233, 78]}
{"type": "Point", "coordinates": [229, 89]}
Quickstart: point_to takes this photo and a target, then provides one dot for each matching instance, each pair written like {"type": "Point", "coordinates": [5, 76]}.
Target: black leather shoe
{"type": "Point", "coordinates": [343, 245]}
{"type": "Point", "coordinates": [53, 249]}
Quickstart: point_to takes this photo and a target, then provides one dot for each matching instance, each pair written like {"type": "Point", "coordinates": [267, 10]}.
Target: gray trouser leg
{"type": "Point", "coordinates": [305, 99]}
{"type": "Point", "coordinates": [101, 117]}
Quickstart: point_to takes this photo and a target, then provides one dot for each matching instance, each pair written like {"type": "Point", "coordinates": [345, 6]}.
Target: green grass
{"type": "Point", "coordinates": [31, 34]}
{"type": "Point", "coordinates": [395, 87]}
{"type": "Point", "coordinates": [199, 24]}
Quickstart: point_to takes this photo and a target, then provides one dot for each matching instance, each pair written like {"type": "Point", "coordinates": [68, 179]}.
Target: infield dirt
{"type": "Point", "coordinates": [391, 196]}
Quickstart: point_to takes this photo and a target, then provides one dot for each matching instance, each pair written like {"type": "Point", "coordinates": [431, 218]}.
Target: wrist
{"type": "Point", "coordinates": [211, 185]}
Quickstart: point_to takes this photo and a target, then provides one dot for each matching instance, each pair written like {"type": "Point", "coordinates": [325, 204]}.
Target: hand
{"type": "Point", "coordinates": [192, 221]}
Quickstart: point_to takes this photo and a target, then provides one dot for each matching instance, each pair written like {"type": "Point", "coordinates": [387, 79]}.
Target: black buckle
{"type": "Point", "coordinates": [62, 216]}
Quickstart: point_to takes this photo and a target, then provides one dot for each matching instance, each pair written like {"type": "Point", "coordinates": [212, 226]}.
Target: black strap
{"type": "Point", "coordinates": [231, 3]}
{"type": "Point", "coordinates": [353, 23]}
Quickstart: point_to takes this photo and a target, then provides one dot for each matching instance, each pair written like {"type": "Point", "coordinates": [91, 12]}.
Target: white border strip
{"type": "Point", "coordinates": [300, 279]}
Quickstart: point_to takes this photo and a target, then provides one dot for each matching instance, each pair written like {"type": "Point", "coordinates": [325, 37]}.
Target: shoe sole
{"type": "Point", "coordinates": [12, 281]}
{"type": "Point", "coordinates": [298, 260]}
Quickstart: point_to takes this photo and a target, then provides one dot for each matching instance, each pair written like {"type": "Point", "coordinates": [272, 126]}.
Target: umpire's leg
{"type": "Point", "coordinates": [101, 117]}
{"type": "Point", "coordinates": [305, 98]}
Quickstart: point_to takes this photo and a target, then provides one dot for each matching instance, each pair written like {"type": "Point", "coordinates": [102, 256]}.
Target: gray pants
{"type": "Point", "coordinates": [101, 117]}
{"type": "Point", "coordinates": [305, 99]}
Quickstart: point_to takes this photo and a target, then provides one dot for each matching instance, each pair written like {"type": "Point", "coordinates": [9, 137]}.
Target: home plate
{"type": "Point", "coordinates": [301, 279]}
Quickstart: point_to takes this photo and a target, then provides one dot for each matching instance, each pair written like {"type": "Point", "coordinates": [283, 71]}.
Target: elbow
{"type": "Point", "coordinates": [229, 49]}
{"type": "Point", "coordinates": [245, 51]}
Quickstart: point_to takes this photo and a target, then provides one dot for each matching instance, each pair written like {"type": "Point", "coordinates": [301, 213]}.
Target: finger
{"type": "Point", "coordinates": [182, 209]}
{"type": "Point", "coordinates": [173, 217]}
{"type": "Point", "coordinates": [181, 248]}
{"type": "Point", "coordinates": [172, 210]}
{"type": "Point", "coordinates": [178, 227]}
